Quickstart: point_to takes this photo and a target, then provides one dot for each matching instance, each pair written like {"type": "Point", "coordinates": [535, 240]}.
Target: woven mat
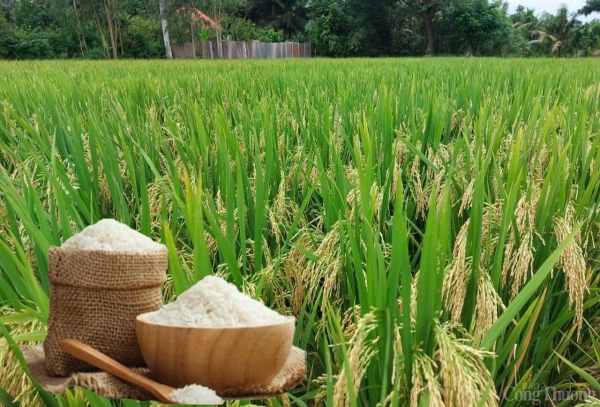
{"type": "Point", "coordinates": [108, 386]}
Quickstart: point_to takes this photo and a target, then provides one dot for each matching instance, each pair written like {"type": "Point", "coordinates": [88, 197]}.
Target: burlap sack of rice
{"type": "Point", "coordinates": [95, 296]}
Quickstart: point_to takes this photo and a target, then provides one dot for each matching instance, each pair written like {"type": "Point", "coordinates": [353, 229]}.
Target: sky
{"type": "Point", "coordinates": [551, 6]}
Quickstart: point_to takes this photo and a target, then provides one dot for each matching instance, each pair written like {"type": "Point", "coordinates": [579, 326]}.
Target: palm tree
{"type": "Point", "coordinates": [286, 15]}
{"type": "Point", "coordinates": [559, 29]}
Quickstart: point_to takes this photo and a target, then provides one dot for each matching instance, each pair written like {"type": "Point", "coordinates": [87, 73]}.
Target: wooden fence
{"type": "Point", "coordinates": [242, 50]}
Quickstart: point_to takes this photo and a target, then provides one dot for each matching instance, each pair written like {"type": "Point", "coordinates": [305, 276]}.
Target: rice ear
{"type": "Point", "coordinates": [425, 380]}
{"type": "Point", "coordinates": [464, 375]}
{"type": "Point", "coordinates": [573, 265]}
{"type": "Point", "coordinates": [361, 352]}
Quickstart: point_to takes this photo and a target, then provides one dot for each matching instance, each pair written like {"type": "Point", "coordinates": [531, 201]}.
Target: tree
{"type": "Point", "coordinates": [480, 25]}
{"type": "Point", "coordinates": [522, 22]}
{"type": "Point", "coordinates": [79, 28]}
{"type": "Point", "coordinates": [165, 30]}
{"type": "Point", "coordinates": [290, 16]}
{"type": "Point", "coordinates": [102, 13]}
{"type": "Point", "coordinates": [586, 40]}
{"type": "Point", "coordinates": [426, 10]}
{"type": "Point", "coordinates": [142, 38]}
{"type": "Point", "coordinates": [351, 27]}
{"type": "Point", "coordinates": [69, 26]}
{"type": "Point", "coordinates": [558, 30]}
{"type": "Point", "coordinates": [591, 6]}
{"type": "Point", "coordinates": [111, 8]}
{"type": "Point", "coordinates": [333, 29]}
{"type": "Point", "coordinates": [372, 18]}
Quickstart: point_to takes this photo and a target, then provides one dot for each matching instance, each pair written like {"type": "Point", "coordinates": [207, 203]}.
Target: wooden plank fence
{"type": "Point", "coordinates": [242, 50]}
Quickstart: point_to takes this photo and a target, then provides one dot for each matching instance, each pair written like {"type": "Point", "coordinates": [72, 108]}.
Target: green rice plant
{"type": "Point", "coordinates": [431, 224]}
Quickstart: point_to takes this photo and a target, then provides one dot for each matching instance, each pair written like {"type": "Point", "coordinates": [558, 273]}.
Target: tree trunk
{"type": "Point", "coordinates": [120, 31]}
{"type": "Point", "coordinates": [428, 16]}
{"type": "Point", "coordinates": [219, 36]}
{"type": "Point", "coordinates": [192, 32]}
{"type": "Point", "coordinates": [163, 21]}
{"type": "Point", "coordinates": [219, 44]}
{"type": "Point", "coordinates": [111, 30]}
{"type": "Point", "coordinates": [96, 21]}
{"type": "Point", "coordinates": [470, 50]}
{"type": "Point", "coordinates": [82, 39]}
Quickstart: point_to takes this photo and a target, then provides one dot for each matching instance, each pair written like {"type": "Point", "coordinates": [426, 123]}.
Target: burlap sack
{"type": "Point", "coordinates": [95, 296]}
{"type": "Point", "coordinates": [106, 385]}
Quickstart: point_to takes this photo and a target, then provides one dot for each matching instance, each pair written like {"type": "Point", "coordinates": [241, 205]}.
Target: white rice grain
{"type": "Point", "coordinates": [195, 394]}
{"type": "Point", "coordinates": [110, 235]}
{"type": "Point", "coordinates": [214, 302]}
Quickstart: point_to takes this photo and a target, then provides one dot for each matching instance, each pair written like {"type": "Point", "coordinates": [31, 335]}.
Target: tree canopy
{"type": "Point", "coordinates": [591, 6]}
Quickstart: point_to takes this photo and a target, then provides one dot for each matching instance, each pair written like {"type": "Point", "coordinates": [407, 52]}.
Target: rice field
{"type": "Point", "coordinates": [432, 224]}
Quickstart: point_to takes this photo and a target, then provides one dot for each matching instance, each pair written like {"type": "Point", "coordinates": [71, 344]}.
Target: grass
{"type": "Point", "coordinates": [432, 224]}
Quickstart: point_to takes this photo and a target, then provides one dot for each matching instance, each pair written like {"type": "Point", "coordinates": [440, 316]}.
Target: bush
{"type": "Point", "coordinates": [270, 35]}
{"type": "Point", "coordinates": [16, 43]}
{"type": "Point", "coordinates": [143, 38]}
{"type": "Point", "coordinates": [238, 29]}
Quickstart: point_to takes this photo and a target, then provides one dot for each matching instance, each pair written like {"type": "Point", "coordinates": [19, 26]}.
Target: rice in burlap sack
{"type": "Point", "coordinates": [95, 296]}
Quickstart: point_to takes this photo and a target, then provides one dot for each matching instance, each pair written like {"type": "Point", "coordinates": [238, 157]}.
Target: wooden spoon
{"type": "Point", "coordinates": [100, 360]}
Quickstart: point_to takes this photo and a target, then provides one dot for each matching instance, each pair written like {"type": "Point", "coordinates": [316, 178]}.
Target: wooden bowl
{"type": "Point", "coordinates": [217, 357]}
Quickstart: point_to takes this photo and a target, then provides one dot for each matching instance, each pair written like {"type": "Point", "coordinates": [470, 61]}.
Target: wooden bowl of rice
{"type": "Point", "coordinates": [213, 337]}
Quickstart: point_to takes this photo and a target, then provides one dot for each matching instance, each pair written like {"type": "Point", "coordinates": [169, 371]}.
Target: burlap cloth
{"type": "Point", "coordinates": [108, 386]}
{"type": "Point", "coordinates": [95, 296]}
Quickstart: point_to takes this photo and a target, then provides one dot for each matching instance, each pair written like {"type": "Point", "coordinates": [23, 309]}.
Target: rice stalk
{"type": "Point", "coordinates": [464, 376]}
{"type": "Point", "coordinates": [420, 195]}
{"type": "Point", "coordinates": [590, 401]}
{"type": "Point", "coordinates": [467, 198]}
{"type": "Point", "coordinates": [459, 272]}
{"type": "Point", "coordinates": [325, 273]}
{"type": "Point", "coordinates": [361, 352]}
{"type": "Point", "coordinates": [518, 261]}
{"type": "Point", "coordinates": [486, 307]}
{"type": "Point", "coordinates": [573, 265]}
{"type": "Point", "coordinates": [457, 276]}
{"type": "Point", "coordinates": [282, 212]}
{"type": "Point", "coordinates": [12, 377]}
{"type": "Point", "coordinates": [293, 266]}
{"type": "Point", "coordinates": [425, 383]}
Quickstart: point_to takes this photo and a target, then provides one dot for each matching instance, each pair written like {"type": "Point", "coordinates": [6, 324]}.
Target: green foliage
{"type": "Point", "coordinates": [428, 12]}
{"type": "Point", "coordinates": [373, 22]}
{"type": "Point", "coordinates": [32, 14]}
{"type": "Point", "coordinates": [7, 39]}
{"type": "Point", "coordinates": [143, 38]}
{"type": "Point", "coordinates": [238, 28]}
{"type": "Point", "coordinates": [18, 43]}
{"type": "Point", "coordinates": [351, 28]}
{"type": "Point", "coordinates": [289, 16]}
{"type": "Point", "coordinates": [591, 6]}
{"type": "Point", "coordinates": [586, 40]}
{"type": "Point", "coordinates": [556, 32]}
{"type": "Point", "coordinates": [480, 26]}
{"type": "Point", "coordinates": [336, 28]}
{"type": "Point", "coordinates": [523, 23]}
{"type": "Point", "coordinates": [332, 29]}
{"type": "Point", "coordinates": [270, 35]}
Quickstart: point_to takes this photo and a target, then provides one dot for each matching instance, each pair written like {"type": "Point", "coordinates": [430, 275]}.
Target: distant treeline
{"type": "Point", "coordinates": [109, 29]}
